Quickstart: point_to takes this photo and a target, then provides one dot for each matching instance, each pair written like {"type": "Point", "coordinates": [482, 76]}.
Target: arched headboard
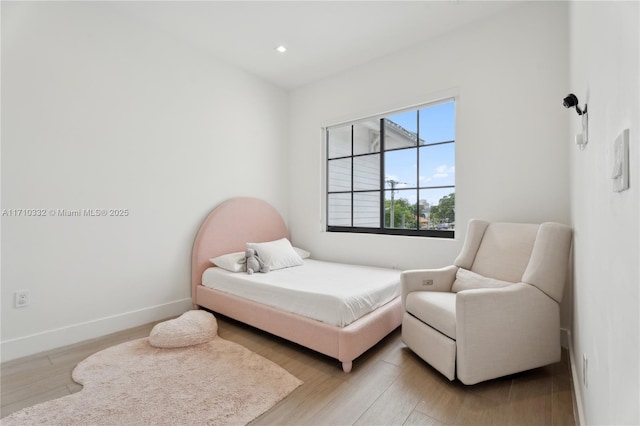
{"type": "Point", "coordinates": [229, 227]}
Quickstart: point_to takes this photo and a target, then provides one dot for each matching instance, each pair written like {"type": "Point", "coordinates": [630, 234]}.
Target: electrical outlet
{"type": "Point", "coordinates": [22, 298]}
{"type": "Point", "coordinates": [427, 282]}
{"type": "Point", "coordinates": [585, 370]}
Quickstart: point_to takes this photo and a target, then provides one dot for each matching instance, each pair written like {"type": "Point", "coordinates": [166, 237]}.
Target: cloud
{"type": "Point", "coordinates": [443, 171]}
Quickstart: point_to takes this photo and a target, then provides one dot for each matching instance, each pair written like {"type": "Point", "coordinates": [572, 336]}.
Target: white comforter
{"type": "Point", "coordinates": [333, 293]}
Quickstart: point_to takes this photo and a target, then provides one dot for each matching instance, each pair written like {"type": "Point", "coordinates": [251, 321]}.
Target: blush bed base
{"type": "Point", "coordinates": [240, 220]}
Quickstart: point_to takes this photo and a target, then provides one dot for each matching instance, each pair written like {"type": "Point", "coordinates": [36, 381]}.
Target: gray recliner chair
{"type": "Point", "coordinates": [496, 310]}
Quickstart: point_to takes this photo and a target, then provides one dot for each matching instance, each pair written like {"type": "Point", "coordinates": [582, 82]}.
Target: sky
{"type": "Point", "coordinates": [437, 162]}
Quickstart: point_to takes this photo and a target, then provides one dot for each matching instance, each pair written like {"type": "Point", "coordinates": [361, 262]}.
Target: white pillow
{"type": "Point", "coordinates": [277, 254]}
{"type": "Point", "coordinates": [233, 262]}
{"type": "Point", "coordinates": [302, 253]}
{"type": "Point", "coordinates": [467, 280]}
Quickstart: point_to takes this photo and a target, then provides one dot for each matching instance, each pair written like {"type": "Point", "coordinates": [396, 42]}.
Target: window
{"type": "Point", "coordinates": [394, 174]}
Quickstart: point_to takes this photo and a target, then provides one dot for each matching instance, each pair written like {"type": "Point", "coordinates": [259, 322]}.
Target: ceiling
{"type": "Point", "coordinates": [323, 38]}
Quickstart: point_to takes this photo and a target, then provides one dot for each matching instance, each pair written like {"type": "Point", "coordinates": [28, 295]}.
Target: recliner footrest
{"type": "Point", "coordinates": [431, 345]}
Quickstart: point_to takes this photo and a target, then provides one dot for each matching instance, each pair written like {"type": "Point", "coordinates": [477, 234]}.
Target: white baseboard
{"type": "Point", "coordinates": [52, 339]}
{"type": "Point", "coordinates": [578, 410]}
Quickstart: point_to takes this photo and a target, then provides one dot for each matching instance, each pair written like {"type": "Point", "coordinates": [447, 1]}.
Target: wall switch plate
{"type": "Point", "coordinates": [620, 169]}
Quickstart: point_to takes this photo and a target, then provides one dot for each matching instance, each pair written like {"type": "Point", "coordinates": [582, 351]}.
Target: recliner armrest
{"type": "Point", "coordinates": [427, 280]}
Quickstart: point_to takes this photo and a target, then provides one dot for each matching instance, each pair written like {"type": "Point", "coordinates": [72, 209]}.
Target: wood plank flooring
{"type": "Point", "coordinates": [389, 385]}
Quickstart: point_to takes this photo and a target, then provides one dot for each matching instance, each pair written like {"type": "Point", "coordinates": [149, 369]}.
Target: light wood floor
{"type": "Point", "coordinates": [389, 385]}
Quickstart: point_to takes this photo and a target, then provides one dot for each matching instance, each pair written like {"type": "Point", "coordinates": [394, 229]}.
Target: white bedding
{"type": "Point", "coordinates": [333, 293]}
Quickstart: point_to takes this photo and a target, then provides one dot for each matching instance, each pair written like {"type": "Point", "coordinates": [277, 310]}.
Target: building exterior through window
{"type": "Point", "coordinates": [393, 174]}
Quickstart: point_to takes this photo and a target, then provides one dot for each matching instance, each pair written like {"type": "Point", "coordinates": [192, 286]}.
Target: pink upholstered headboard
{"type": "Point", "coordinates": [229, 227]}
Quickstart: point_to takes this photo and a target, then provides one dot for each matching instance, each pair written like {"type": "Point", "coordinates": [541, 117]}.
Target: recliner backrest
{"type": "Point", "coordinates": [505, 251]}
{"type": "Point", "coordinates": [518, 252]}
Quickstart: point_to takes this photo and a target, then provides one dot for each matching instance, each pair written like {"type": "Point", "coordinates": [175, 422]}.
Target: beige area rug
{"type": "Point", "coordinates": [134, 383]}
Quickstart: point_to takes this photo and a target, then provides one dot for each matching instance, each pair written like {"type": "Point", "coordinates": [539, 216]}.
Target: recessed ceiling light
{"type": "Point", "coordinates": [281, 49]}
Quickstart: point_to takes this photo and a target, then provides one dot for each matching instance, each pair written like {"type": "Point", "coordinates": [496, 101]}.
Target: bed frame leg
{"type": "Point", "coordinates": [346, 366]}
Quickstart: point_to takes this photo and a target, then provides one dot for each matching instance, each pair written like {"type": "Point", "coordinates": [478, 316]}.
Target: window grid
{"type": "Point", "coordinates": [383, 187]}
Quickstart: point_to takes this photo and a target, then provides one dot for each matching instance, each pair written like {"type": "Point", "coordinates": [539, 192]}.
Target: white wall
{"type": "Point", "coordinates": [605, 45]}
{"type": "Point", "coordinates": [510, 73]}
{"type": "Point", "coordinates": [100, 112]}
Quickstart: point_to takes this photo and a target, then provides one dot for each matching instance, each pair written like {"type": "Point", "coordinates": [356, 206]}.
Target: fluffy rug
{"type": "Point", "coordinates": [134, 383]}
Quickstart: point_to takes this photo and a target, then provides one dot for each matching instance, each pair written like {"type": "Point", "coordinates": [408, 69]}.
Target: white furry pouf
{"type": "Point", "coordinates": [191, 328]}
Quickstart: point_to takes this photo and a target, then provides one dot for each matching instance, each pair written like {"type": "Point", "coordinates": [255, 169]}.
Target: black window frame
{"type": "Point", "coordinates": [382, 190]}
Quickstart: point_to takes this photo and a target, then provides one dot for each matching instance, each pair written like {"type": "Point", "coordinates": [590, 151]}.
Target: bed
{"type": "Point", "coordinates": [228, 229]}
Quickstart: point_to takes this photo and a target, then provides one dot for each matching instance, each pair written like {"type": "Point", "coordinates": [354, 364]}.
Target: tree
{"type": "Point", "coordinates": [444, 212]}
{"type": "Point", "coordinates": [403, 214]}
